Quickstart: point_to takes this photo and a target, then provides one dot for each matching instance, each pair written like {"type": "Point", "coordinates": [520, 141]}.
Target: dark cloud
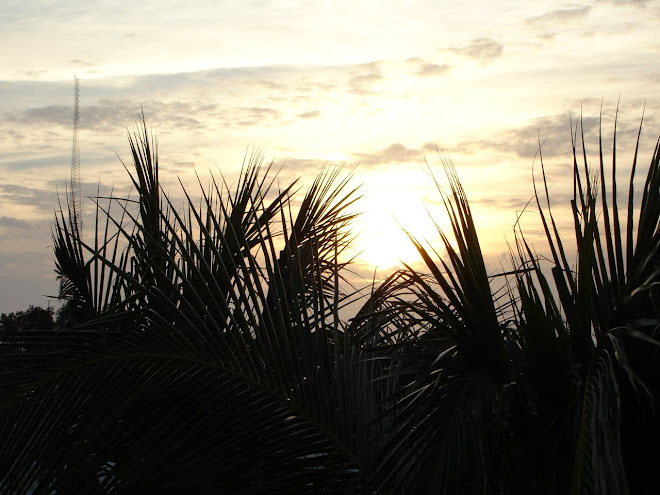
{"type": "Point", "coordinates": [14, 223]}
{"type": "Point", "coordinates": [23, 195]}
{"type": "Point", "coordinates": [49, 115]}
{"type": "Point", "coordinates": [14, 163]}
{"type": "Point", "coordinates": [481, 49]}
{"type": "Point", "coordinates": [109, 115]}
{"type": "Point", "coordinates": [560, 16]}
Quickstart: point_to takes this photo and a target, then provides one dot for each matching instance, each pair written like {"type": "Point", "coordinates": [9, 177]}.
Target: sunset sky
{"type": "Point", "coordinates": [377, 86]}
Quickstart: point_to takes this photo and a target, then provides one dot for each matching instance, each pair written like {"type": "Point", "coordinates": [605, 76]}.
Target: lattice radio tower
{"type": "Point", "coordinates": [75, 203]}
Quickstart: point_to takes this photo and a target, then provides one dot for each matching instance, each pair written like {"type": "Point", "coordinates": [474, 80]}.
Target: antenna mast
{"type": "Point", "coordinates": [75, 206]}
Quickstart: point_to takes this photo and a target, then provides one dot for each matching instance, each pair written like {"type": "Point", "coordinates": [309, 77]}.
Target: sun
{"type": "Point", "coordinates": [384, 245]}
{"type": "Point", "coordinates": [392, 208]}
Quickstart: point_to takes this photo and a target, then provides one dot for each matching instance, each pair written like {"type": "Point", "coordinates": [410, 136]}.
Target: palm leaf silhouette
{"type": "Point", "coordinates": [226, 368]}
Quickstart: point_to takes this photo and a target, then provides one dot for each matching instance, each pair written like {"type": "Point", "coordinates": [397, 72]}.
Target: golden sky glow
{"type": "Point", "coordinates": [377, 86]}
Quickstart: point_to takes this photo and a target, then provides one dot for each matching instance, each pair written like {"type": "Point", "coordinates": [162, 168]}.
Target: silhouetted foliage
{"type": "Point", "coordinates": [33, 318]}
{"type": "Point", "coordinates": [201, 350]}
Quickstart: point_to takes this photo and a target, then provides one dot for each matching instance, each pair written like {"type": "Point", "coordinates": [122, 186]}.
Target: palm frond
{"type": "Point", "coordinates": [231, 370]}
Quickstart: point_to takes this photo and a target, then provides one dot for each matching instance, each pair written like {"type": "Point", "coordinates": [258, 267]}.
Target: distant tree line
{"type": "Point", "coordinates": [38, 318]}
{"type": "Point", "coordinates": [33, 318]}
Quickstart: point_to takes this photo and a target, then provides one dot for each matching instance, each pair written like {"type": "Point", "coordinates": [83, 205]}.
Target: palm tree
{"type": "Point", "coordinates": [519, 391]}
{"type": "Point", "coordinates": [604, 308]}
{"type": "Point", "coordinates": [202, 349]}
{"type": "Point", "coordinates": [206, 351]}
{"type": "Point", "coordinates": [454, 367]}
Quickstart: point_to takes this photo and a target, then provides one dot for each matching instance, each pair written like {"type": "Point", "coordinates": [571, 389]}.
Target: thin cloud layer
{"type": "Point", "coordinates": [560, 16]}
{"type": "Point", "coordinates": [424, 68]}
{"type": "Point", "coordinates": [552, 134]}
{"type": "Point", "coordinates": [395, 153]}
{"type": "Point", "coordinates": [33, 197]}
{"type": "Point", "coordinates": [365, 79]}
{"type": "Point", "coordinates": [433, 70]}
{"type": "Point", "coordinates": [484, 50]}
{"type": "Point", "coordinates": [14, 223]}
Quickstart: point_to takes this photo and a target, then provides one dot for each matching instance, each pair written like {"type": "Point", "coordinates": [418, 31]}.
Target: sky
{"type": "Point", "coordinates": [378, 87]}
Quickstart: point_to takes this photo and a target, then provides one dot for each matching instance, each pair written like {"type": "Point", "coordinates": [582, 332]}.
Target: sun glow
{"type": "Point", "coordinates": [393, 207]}
{"type": "Point", "coordinates": [383, 244]}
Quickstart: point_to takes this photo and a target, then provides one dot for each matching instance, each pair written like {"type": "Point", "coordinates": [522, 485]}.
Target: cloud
{"type": "Point", "coordinates": [253, 116]}
{"type": "Point", "coordinates": [11, 135]}
{"type": "Point", "coordinates": [240, 98]}
{"type": "Point", "coordinates": [313, 114]}
{"type": "Point", "coordinates": [13, 163]}
{"type": "Point", "coordinates": [14, 223]}
{"type": "Point", "coordinates": [49, 115]}
{"type": "Point", "coordinates": [395, 153]}
{"type": "Point", "coordinates": [511, 203]}
{"type": "Point", "coordinates": [223, 98]}
{"type": "Point", "coordinates": [109, 115]}
{"type": "Point", "coordinates": [293, 167]}
{"type": "Point", "coordinates": [560, 16]}
{"type": "Point", "coordinates": [481, 49]}
{"type": "Point", "coordinates": [432, 70]}
{"type": "Point", "coordinates": [636, 3]}
{"type": "Point", "coordinates": [364, 78]}
{"type": "Point", "coordinates": [553, 133]}
{"type": "Point", "coordinates": [649, 9]}
{"type": "Point", "coordinates": [423, 68]}
{"type": "Point", "coordinates": [80, 63]}
{"type": "Point", "coordinates": [24, 195]}
{"type": "Point", "coordinates": [35, 73]}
